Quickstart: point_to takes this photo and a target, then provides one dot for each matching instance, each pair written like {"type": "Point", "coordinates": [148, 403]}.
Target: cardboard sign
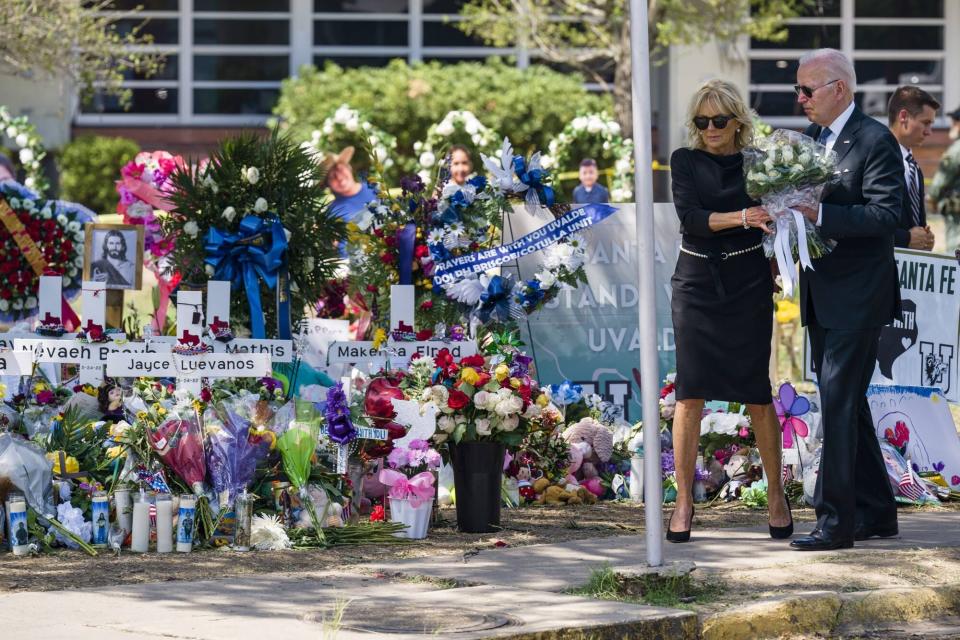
{"type": "Point", "coordinates": [363, 352]}
{"type": "Point", "coordinates": [208, 365]}
{"type": "Point", "coordinates": [917, 422]}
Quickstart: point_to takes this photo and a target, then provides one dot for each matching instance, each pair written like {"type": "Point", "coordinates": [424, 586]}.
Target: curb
{"type": "Point", "coordinates": [824, 612]}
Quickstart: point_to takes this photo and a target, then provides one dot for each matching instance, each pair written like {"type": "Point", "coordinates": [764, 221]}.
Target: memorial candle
{"type": "Point", "coordinates": [17, 521]}
{"type": "Point", "coordinates": [124, 508]}
{"type": "Point", "coordinates": [140, 535]}
{"type": "Point", "coordinates": [164, 523]}
{"type": "Point", "coordinates": [100, 515]}
{"type": "Point", "coordinates": [185, 522]}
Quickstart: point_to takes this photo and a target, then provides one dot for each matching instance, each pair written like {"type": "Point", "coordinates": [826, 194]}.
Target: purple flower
{"type": "Point", "coordinates": [415, 457]}
{"type": "Point", "coordinates": [420, 445]}
{"type": "Point", "coordinates": [521, 365]}
{"type": "Point", "coordinates": [411, 184]}
{"type": "Point", "coordinates": [432, 458]}
{"type": "Point", "coordinates": [340, 427]}
{"type": "Point", "coordinates": [271, 384]}
{"type": "Point", "coordinates": [666, 462]}
{"type": "Point", "coordinates": [397, 458]}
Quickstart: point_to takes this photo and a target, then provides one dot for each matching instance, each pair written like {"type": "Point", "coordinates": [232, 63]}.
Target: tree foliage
{"type": "Point", "coordinates": [72, 40]}
{"type": "Point", "coordinates": [89, 166]}
{"type": "Point", "coordinates": [593, 36]}
{"type": "Point", "coordinates": [531, 105]}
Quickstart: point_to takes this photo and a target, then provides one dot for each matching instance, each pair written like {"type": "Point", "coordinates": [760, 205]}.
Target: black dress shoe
{"type": "Point", "coordinates": [784, 532]}
{"type": "Point", "coordinates": [888, 530]}
{"type": "Point", "coordinates": [680, 536]}
{"type": "Point", "coordinates": [818, 541]}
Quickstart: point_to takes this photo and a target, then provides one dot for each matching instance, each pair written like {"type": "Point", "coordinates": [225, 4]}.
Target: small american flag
{"type": "Point", "coordinates": [909, 488]}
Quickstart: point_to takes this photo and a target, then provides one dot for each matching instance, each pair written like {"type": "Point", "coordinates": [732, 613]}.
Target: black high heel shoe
{"type": "Point", "coordinates": [784, 532]}
{"type": "Point", "coordinates": [681, 536]}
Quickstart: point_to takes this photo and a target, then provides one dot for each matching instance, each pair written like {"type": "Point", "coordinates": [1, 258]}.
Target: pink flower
{"type": "Point", "coordinates": [45, 397]}
{"type": "Point", "coordinates": [955, 480]}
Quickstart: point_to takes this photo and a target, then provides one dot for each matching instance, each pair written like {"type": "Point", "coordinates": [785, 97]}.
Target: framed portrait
{"type": "Point", "coordinates": [113, 254]}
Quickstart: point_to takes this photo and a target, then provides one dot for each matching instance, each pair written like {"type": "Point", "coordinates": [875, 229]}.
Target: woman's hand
{"type": "Point", "coordinates": [759, 218]}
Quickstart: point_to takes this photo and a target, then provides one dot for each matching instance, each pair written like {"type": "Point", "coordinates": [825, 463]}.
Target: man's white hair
{"type": "Point", "coordinates": [835, 62]}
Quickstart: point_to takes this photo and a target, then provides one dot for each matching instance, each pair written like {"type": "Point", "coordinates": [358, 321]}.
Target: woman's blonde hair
{"type": "Point", "coordinates": [726, 99]}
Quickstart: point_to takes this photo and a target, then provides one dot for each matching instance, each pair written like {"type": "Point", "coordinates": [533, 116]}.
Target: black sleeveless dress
{"type": "Point", "coordinates": [722, 307]}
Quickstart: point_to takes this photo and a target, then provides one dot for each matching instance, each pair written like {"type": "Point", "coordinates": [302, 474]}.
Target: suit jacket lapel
{"type": "Point", "coordinates": [847, 137]}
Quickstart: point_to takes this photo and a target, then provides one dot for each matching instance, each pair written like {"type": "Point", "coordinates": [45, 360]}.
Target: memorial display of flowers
{"type": "Point", "coordinates": [255, 214]}
{"type": "Point", "coordinates": [54, 231]}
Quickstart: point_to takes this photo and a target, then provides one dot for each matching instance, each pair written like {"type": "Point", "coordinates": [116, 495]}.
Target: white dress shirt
{"type": "Point", "coordinates": [835, 128]}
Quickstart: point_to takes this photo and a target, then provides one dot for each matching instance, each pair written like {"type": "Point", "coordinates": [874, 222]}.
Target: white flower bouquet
{"type": "Point", "coordinates": [785, 170]}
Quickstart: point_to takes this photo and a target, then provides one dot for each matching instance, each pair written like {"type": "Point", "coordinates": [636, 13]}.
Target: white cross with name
{"type": "Point", "coordinates": [396, 352]}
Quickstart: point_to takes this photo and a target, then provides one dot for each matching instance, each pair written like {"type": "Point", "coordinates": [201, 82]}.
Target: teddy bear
{"type": "Point", "coordinates": [594, 441]}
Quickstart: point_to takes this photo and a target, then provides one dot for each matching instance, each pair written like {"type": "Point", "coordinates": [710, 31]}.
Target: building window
{"type": "Point", "coordinates": [891, 43]}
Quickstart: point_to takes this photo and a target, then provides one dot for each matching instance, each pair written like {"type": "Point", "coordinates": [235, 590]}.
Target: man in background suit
{"type": "Point", "coordinates": [910, 113]}
{"type": "Point", "coordinates": [851, 293]}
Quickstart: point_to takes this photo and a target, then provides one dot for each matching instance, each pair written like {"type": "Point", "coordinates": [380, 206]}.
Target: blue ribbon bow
{"type": "Point", "coordinates": [255, 252]}
{"type": "Point", "coordinates": [495, 302]}
{"type": "Point", "coordinates": [534, 180]}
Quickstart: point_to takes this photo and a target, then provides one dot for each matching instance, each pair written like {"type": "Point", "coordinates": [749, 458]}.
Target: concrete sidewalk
{"type": "Point", "coordinates": [517, 597]}
{"type": "Point", "coordinates": [559, 567]}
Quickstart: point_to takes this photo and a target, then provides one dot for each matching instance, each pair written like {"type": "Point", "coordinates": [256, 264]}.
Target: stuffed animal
{"type": "Point", "coordinates": [576, 461]}
{"type": "Point", "coordinates": [594, 440]}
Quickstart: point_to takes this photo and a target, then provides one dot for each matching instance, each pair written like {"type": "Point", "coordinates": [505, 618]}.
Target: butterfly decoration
{"type": "Point", "coordinates": [790, 407]}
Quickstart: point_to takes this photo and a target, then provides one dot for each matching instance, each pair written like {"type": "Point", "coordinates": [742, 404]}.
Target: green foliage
{"type": "Point", "coordinates": [530, 105]}
{"type": "Point", "coordinates": [666, 590]}
{"type": "Point", "coordinates": [220, 193]}
{"type": "Point", "coordinates": [755, 496]}
{"type": "Point", "coordinates": [89, 166]}
{"type": "Point", "coordinates": [83, 42]}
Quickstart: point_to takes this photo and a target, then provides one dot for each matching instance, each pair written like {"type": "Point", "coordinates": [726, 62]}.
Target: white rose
{"type": "Point", "coordinates": [14, 203]}
{"type": "Point", "coordinates": [31, 302]}
{"type": "Point", "coordinates": [29, 182]}
{"type": "Point", "coordinates": [510, 423]}
{"type": "Point", "coordinates": [480, 399]}
{"type": "Point", "coordinates": [327, 127]}
{"type": "Point", "coordinates": [484, 428]}
{"type": "Point", "coordinates": [72, 271]}
{"type": "Point", "coordinates": [191, 229]}
{"type": "Point", "coordinates": [29, 205]}
{"type": "Point", "coordinates": [260, 205]}
{"type": "Point", "coordinates": [472, 126]}
{"type": "Point", "coordinates": [62, 220]}
{"type": "Point", "coordinates": [4, 305]}
{"type": "Point", "coordinates": [342, 115]}
{"type": "Point", "coordinates": [547, 279]}
{"type": "Point", "coordinates": [446, 424]}
{"type": "Point", "coordinates": [78, 261]}
{"type": "Point", "coordinates": [18, 305]}
{"type": "Point", "coordinates": [252, 174]}
{"type": "Point", "coordinates": [74, 226]}
{"type": "Point", "coordinates": [427, 159]}
{"type": "Point", "coordinates": [352, 124]}
{"type": "Point", "coordinates": [208, 269]}
{"type": "Point", "coordinates": [417, 146]}
{"type": "Point", "coordinates": [22, 140]}
{"type": "Point", "coordinates": [594, 124]}
{"type": "Point", "coordinates": [12, 132]}
{"type": "Point", "coordinates": [546, 161]}
{"type": "Point", "coordinates": [475, 138]}
{"type": "Point", "coordinates": [445, 128]}
{"type": "Point", "coordinates": [229, 214]}
{"type": "Point", "coordinates": [26, 156]}
{"type": "Point", "coordinates": [78, 237]}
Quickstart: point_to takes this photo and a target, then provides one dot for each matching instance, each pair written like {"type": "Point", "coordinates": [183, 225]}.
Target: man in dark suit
{"type": "Point", "coordinates": [845, 300]}
{"type": "Point", "coordinates": [910, 113]}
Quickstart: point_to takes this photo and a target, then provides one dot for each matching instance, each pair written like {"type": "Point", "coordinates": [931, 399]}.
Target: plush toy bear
{"type": "Point", "coordinates": [594, 441]}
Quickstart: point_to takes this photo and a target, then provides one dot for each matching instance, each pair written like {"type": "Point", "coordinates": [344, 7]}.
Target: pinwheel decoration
{"type": "Point", "coordinates": [790, 406]}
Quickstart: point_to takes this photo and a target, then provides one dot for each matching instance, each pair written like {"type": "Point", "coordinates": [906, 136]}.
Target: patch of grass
{"type": "Point", "coordinates": [331, 626]}
{"type": "Point", "coordinates": [681, 590]}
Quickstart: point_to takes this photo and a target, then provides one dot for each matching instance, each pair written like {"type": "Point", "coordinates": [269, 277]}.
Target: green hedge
{"type": "Point", "coordinates": [530, 105]}
{"type": "Point", "coordinates": [89, 167]}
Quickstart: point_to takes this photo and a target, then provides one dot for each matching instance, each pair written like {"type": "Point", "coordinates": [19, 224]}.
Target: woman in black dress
{"type": "Point", "coordinates": [722, 297]}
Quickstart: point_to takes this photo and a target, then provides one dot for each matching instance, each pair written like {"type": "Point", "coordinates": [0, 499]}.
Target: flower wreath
{"type": "Point", "coordinates": [398, 240]}
{"type": "Point", "coordinates": [601, 132]}
{"type": "Point", "coordinates": [55, 235]}
{"type": "Point", "coordinates": [347, 126]}
{"type": "Point", "coordinates": [32, 151]}
{"type": "Point", "coordinates": [456, 126]}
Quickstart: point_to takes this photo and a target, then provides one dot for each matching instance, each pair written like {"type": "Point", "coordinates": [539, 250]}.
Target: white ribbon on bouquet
{"type": "Point", "coordinates": [784, 251]}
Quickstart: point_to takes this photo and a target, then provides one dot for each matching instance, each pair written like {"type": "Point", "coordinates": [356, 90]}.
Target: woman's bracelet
{"type": "Point", "coordinates": [743, 218]}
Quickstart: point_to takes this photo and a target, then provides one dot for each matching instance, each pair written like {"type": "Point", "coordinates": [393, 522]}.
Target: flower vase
{"type": "Point", "coordinates": [416, 518]}
{"type": "Point", "coordinates": [477, 473]}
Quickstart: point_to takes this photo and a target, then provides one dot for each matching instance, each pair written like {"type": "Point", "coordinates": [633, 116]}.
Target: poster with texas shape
{"type": "Point", "coordinates": [922, 348]}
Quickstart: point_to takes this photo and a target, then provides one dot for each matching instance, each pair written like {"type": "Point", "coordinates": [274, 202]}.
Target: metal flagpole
{"type": "Point", "coordinates": [649, 359]}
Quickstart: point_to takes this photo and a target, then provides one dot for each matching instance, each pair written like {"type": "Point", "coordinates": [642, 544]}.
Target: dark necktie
{"type": "Point", "coordinates": [913, 190]}
{"type": "Point", "coordinates": [824, 135]}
